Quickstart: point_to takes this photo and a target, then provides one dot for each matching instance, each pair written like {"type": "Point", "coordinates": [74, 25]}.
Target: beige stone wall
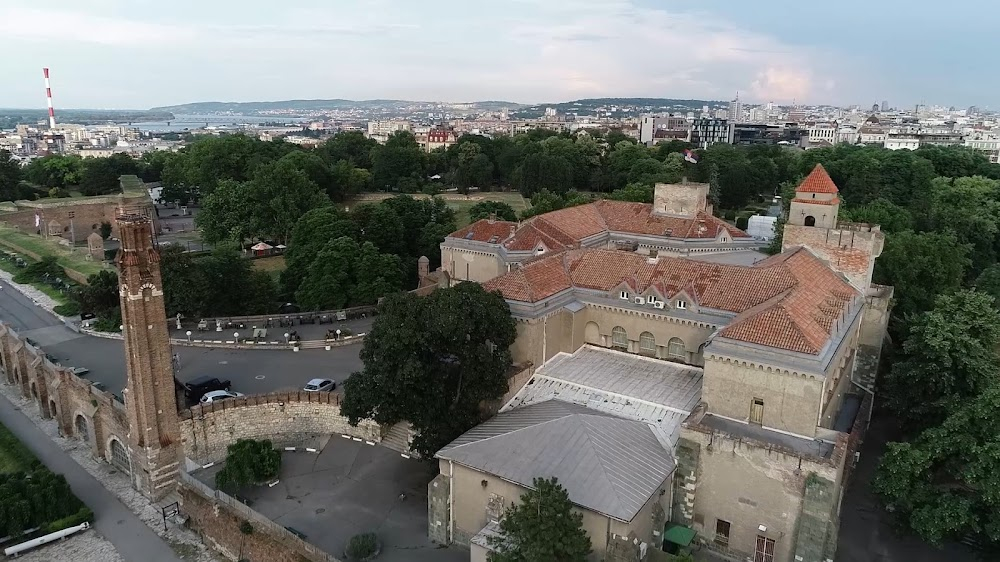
{"type": "Point", "coordinates": [791, 400]}
{"type": "Point", "coordinates": [86, 214]}
{"type": "Point", "coordinates": [748, 485]}
{"type": "Point", "coordinates": [847, 250]}
{"type": "Point", "coordinates": [471, 499]}
{"type": "Point", "coordinates": [286, 418]}
{"type": "Point", "coordinates": [539, 340]}
{"type": "Point", "coordinates": [684, 199]}
{"type": "Point", "coordinates": [466, 265]}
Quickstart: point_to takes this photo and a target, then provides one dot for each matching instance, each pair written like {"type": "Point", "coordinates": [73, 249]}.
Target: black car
{"type": "Point", "coordinates": [196, 388]}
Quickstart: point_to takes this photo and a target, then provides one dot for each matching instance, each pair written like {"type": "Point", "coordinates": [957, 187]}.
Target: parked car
{"type": "Point", "coordinates": [320, 385]}
{"type": "Point", "coordinates": [217, 395]}
{"type": "Point", "coordinates": [196, 388]}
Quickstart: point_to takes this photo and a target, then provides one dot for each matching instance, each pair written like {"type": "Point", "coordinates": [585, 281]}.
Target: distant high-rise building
{"type": "Point", "coordinates": [973, 110]}
{"type": "Point", "coordinates": [550, 112]}
{"type": "Point", "coordinates": [885, 105]}
{"type": "Point", "coordinates": [874, 108]}
{"type": "Point", "coordinates": [735, 110]}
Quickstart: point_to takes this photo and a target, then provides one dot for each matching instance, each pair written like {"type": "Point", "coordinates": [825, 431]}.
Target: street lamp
{"type": "Point", "coordinates": [189, 336]}
{"type": "Point", "coordinates": [236, 336]}
{"type": "Point", "coordinates": [286, 338]}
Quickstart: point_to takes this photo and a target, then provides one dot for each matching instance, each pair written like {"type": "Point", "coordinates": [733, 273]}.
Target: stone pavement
{"type": "Point", "coordinates": [122, 515]}
{"type": "Point", "coordinates": [87, 546]}
{"type": "Point", "coordinates": [348, 488]}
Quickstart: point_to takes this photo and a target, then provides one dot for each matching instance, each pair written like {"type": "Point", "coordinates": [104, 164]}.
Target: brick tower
{"type": "Point", "coordinates": [150, 398]}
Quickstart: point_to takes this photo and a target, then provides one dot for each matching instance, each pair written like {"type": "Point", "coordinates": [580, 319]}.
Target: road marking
{"type": "Point", "coordinates": [259, 377]}
{"type": "Point", "coordinates": [223, 362]}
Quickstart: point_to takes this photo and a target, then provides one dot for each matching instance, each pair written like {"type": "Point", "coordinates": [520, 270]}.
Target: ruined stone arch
{"type": "Point", "coordinates": [82, 427]}
{"type": "Point", "coordinates": [592, 333]}
{"type": "Point", "coordinates": [118, 455]}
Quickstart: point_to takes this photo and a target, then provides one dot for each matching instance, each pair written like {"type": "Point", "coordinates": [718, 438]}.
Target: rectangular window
{"type": "Point", "coordinates": [757, 411]}
{"type": "Point", "coordinates": [682, 305]}
{"type": "Point", "coordinates": [722, 532]}
{"type": "Point", "coordinates": [623, 295]}
{"type": "Point", "coordinates": [651, 299]}
{"type": "Point", "coordinates": [765, 550]}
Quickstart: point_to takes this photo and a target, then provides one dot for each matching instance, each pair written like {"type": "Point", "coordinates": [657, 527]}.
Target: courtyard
{"type": "Point", "coordinates": [350, 487]}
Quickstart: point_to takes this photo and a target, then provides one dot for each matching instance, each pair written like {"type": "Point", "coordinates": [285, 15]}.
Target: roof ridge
{"type": "Point", "coordinates": [600, 457]}
{"type": "Point", "coordinates": [551, 401]}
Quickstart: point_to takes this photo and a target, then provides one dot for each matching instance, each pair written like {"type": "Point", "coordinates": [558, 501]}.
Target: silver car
{"type": "Point", "coordinates": [217, 395]}
{"type": "Point", "coordinates": [320, 385]}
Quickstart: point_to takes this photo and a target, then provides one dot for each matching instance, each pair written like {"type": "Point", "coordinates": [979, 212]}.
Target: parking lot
{"type": "Point", "coordinates": [350, 488]}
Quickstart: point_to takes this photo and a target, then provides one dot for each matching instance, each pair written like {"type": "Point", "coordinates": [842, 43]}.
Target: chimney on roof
{"type": "Point", "coordinates": [513, 229]}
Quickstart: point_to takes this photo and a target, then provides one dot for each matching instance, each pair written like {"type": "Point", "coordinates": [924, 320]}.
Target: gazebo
{"type": "Point", "coordinates": [261, 249]}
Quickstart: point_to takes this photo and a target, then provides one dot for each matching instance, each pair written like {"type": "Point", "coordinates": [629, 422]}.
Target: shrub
{"type": "Point", "coordinates": [108, 324]}
{"type": "Point", "coordinates": [42, 270]}
{"type": "Point", "coordinates": [68, 309]}
{"type": "Point", "coordinates": [83, 515]}
{"type": "Point", "coordinates": [362, 546]}
{"type": "Point", "coordinates": [249, 462]}
{"type": "Point", "coordinates": [742, 222]}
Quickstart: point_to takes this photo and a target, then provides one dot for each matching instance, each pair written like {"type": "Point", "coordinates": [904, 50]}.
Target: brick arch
{"type": "Point", "coordinates": [82, 427]}
{"type": "Point", "coordinates": [117, 454]}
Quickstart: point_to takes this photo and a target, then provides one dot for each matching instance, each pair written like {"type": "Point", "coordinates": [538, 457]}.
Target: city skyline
{"type": "Point", "coordinates": [523, 51]}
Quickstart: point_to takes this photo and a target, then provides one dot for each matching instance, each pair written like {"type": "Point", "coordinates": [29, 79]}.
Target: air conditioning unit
{"type": "Point", "coordinates": [640, 300]}
{"type": "Point", "coordinates": [658, 304]}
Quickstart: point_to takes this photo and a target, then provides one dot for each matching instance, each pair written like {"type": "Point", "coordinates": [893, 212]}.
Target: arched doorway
{"type": "Point", "coordinates": [810, 220]}
{"type": "Point", "coordinates": [82, 428]}
{"type": "Point", "coordinates": [34, 391]}
{"type": "Point", "coordinates": [52, 409]}
{"type": "Point", "coordinates": [592, 333]}
{"type": "Point", "coordinates": [119, 456]}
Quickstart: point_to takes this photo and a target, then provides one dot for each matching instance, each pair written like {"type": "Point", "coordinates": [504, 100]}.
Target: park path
{"type": "Point", "coordinates": [133, 540]}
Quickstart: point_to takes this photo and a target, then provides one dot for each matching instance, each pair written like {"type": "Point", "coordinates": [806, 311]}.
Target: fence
{"type": "Point", "coordinates": [244, 511]}
{"type": "Point", "coordinates": [259, 399]}
{"type": "Point", "coordinates": [285, 320]}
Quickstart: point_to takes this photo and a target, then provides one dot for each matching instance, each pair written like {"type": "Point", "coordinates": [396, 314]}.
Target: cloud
{"type": "Point", "coordinates": [782, 84]}
{"type": "Point", "coordinates": [30, 24]}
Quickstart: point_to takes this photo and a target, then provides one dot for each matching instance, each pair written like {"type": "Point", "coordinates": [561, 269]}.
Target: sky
{"type": "Point", "coordinates": [138, 54]}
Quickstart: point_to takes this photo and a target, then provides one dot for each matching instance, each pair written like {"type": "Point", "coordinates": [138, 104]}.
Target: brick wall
{"type": "Point", "coordinates": [285, 418]}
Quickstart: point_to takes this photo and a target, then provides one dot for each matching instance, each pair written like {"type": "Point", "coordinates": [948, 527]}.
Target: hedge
{"type": "Point", "coordinates": [81, 516]}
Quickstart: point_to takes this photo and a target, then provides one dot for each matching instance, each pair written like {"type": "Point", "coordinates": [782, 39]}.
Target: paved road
{"type": "Point", "coordinates": [251, 371]}
{"type": "Point", "coordinates": [115, 522]}
{"type": "Point", "coordinates": [866, 532]}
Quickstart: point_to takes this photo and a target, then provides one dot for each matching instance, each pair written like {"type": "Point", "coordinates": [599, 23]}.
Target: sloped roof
{"type": "Point", "coordinates": [566, 228]}
{"type": "Point", "coordinates": [818, 181]}
{"type": "Point", "coordinates": [606, 464]}
{"type": "Point", "coordinates": [789, 301]}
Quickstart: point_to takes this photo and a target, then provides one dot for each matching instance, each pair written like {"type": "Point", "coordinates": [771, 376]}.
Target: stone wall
{"type": "Point", "coordinates": [847, 249]}
{"type": "Point", "coordinates": [218, 522]}
{"type": "Point", "coordinates": [285, 418]}
{"type": "Point", "coordinates": [86, 214]}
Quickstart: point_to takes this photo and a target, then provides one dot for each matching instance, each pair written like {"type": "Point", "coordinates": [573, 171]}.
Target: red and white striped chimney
{"type": "Point", "coordinates": [48, 98]}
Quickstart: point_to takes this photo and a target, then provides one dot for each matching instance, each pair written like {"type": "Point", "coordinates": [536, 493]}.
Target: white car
{"type": "Point", "coordinates": [320, 385]}
{"type": "Point", "coordinates": [217, 395]}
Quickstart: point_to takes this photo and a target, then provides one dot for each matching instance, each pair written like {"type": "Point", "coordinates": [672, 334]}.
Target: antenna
{"type": "Point", "coordinates": [48, 98]}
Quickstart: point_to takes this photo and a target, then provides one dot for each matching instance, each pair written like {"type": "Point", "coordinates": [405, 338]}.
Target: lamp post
{"type": "Point", "coordinates": [286, 338]}
{"type": "Point", "coordinates": [236, 336]}
{"type": "Point", "coordinates": [189, 336]}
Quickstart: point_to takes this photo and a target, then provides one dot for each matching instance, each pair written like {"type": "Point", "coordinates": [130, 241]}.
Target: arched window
{"type": "Point", "coordinates": [676, 349]}
{"type": "Point", "coordinates": [619, 337]}
{"type": "Point", "coordinates": [81, 428]}
{"type": "Point", "coordinates": [592, 333]}
{"type": "Point", "coordinates": [810, 220]}
{"type": "Point", "coordinates": [647, 343]}
{"type": "Point", "coordinates": [119, 456]}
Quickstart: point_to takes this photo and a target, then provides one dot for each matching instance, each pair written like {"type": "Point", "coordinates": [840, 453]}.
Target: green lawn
{"type": "Point", "coordinates": [14, 456]}
{"type": "Point", "coordinates": [75, 260]}
{"type": "Point", "coordinates": [273, 265]}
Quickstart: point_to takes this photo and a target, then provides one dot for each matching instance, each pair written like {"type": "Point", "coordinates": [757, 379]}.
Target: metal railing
{"type": "Point", "coordinates": [284, 320]}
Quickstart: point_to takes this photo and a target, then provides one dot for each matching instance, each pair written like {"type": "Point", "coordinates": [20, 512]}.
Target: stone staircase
{"type": "Point", "coordinates": [398, 438]}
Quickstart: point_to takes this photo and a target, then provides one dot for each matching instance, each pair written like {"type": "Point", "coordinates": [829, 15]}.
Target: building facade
{"type": "Point", "coordinates": [782, 347]}
{"type": "Point", "coordinates": [679, 222]}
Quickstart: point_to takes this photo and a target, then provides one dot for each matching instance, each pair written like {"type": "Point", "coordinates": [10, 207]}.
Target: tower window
{"type": "Point", "coordinates": [810, 221]}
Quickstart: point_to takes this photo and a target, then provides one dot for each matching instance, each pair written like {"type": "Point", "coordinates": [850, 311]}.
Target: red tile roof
{"type": "Point", "coordinates": [483, 231]}
{"type": "Point", "coordinates": [790, 301]}
{"type": "Point", "coordinates": [818, 181]}
{"type": "Point", "coordinates": [566, 228]}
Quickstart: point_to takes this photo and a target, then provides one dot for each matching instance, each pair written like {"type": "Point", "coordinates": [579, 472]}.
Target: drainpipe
{"type": "Point", "coordinates": [451, 502]}
{"type": "Point", "coordinates": [545, 337]}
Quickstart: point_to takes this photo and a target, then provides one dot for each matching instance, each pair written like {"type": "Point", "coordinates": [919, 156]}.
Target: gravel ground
{"type": "Point", "coordinates": [87, 546]}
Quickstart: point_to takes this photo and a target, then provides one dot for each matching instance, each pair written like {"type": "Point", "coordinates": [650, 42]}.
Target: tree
{"type": "Point", "coordinates": [988, 283]}
{"type": "Point", "coordinates": [432, 361]}
{"type": "Point", "coordinates": [280, 194]}
{"type": "Point", "coordinates": [635, 192]}
{"type": "Point", "coordinates": [921, 266]}
{"type": "Point", "coordinates": [310, 235]}
{"type": "Point", "coordinates": [543, 172]}
{"type": "Point", "coordinates": [314, 168]}
{"type": "Point", "coordinates": [347, 180]}
{"type": "Point", "coordinates": [945, 484]}
{"type": "Point", "coordinates": [968, 207]}
{"type": "Point", "coordinates": [105, 230]}
{"type": "Point", "coordinates": [329, 282]}
{"type": "Point", "coordinates": [54, 171]}
{"type": "Point", "coordinates": [100, 295]}
{"type": "Point", "coordinates": [10, 178]}
{"type": "Point", "coordinates": [228, 213]}
{"type": "Point", "coordinates": [889, 216]}
{"type": "Point", "coordinates": [400, 157]}
{"type": "Point", "coordinates": [474, 168]}
{"type": "Point", "coordinates": [949, 357]}
{"type": "Point", "coordinates": [544, 527]}
{"type": "Point", "coordinates": [351, 146]}
{"type": "Point", "coordinates": [375, 275]}
{"type": "Point", "coordinates": [248, 461]}
{"type": "Point", "coordinates": [485, 209]}
{"type": "Point", "coordinates": [100, 176]}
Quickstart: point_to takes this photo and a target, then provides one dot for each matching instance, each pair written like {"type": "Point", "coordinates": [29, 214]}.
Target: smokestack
{"type": "Point", "coordinates": [48, 98]}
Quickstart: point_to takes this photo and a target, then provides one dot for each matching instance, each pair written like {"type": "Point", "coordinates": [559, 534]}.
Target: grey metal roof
{"type": "Point", "coordinates": [661, 393]}
{"type": "Point", "coordinates": [606, 464]}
